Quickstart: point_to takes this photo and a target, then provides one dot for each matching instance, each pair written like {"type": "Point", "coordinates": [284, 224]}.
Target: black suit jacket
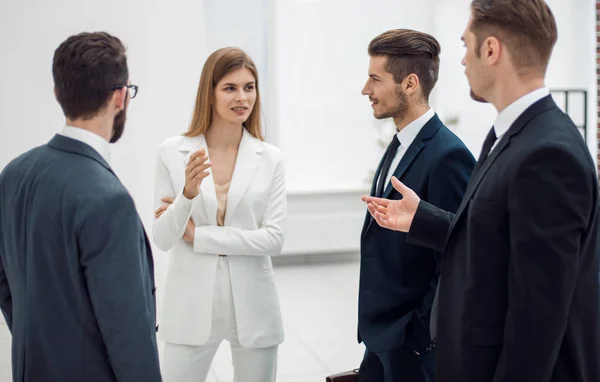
{"type": "Point", "coordinates": [519, 293]}
{"type": "Point", "coordinates": [398, 280]}
{"type": "Point", "coordinates": [76, 272]}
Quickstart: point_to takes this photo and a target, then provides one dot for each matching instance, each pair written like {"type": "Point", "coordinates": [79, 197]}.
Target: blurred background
{"type": "Point", "coordinates": [312, 60]}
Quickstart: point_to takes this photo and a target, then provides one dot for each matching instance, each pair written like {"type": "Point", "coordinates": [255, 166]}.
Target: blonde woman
{"type": "Point", "coordinates": [220, 205]}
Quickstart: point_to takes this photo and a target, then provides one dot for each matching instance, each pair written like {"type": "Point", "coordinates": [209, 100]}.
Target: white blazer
{"type": "Point", "coordinates": [253, 231]}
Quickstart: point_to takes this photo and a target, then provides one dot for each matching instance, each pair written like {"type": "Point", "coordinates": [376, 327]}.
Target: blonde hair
{"type": "Point", "coordinates": [219, 64]}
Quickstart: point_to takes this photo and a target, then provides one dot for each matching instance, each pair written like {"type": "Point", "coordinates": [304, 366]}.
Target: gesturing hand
{"type": "Point", "coordinates": [396, 215]}
{"type": "Point", "coordinates": [195, 171]}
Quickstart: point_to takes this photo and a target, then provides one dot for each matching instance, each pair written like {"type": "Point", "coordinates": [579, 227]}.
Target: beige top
{"type": "Point", "coordinates": [223, 163]}
{"type": "Point", "coordinates": [222, 190]}
{"type": "Point", "coordinates": [222, 171]}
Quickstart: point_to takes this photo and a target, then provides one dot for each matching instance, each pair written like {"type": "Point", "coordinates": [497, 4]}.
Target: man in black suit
{"type": "Point", "coordinates": [519, 293]}
{"type": "Point", "coordinates": [398, 280]}
{"type": "Point", "coordinates": [76, 271]}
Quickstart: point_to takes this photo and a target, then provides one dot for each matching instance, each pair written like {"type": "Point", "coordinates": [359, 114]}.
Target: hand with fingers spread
{"type": "Point", "coordinates": [195, 171]}
{"type": "Point", "coordinates": [396, 215]}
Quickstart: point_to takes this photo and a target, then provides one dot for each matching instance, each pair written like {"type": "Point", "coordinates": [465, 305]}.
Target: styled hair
{"type": "Point", "coordinates": [219, 64]}
{"type": "Point", "coordinates": [409, 52]}
{"type": "Point", "coordinates": [526, 27]}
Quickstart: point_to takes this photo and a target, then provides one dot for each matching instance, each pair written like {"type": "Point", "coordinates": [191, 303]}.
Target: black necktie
{"type": "Point", "coordinates": [385, 167]}
{"type": "Point", "coordinates": [488, 143]}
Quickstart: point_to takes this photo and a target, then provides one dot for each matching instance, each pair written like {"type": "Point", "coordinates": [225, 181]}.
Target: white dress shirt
{"type": "Point", "coordinates": [406, 136]}
{"type": "Point", "coordinates": [509, 115]}
{"type": "Point", "coordinates": [91, 139]}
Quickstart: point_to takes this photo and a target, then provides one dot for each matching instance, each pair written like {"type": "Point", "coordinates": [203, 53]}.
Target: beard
{"type": "Point", "coordinates": [400, 108]}
{"type": "Point", "coordinates": [118, 125]}
{"type": "Point", "coordinates": [477, 98]}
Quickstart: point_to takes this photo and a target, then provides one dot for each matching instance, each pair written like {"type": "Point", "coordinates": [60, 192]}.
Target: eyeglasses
{"type": "Point", "coordinates": [132, 89]}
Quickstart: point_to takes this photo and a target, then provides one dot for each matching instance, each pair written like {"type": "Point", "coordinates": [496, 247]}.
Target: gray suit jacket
{"type": "Point", "coordinates": [76, 271]}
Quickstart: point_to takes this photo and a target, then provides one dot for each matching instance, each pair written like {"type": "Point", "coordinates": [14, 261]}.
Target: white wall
{"type": "Point", "coordinates": [247, 25]}
{"type": "Point", "coordinates": [572, 66]}
{"type": "Point", "coordinates": [451, 96]}
{"type": "Point", "coordinates": [312, 58]}
{"type": "Point", "coordinates": [326, 128]}
{"type": "Point", "coordinates": [573, 63]}
{"type": "Point", "coordinates": [166, 50]}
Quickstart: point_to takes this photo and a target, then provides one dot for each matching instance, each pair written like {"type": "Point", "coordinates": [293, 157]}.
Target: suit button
{"type": "Point", "coordinates": [153, 291]}
{"type": "Point", "coordinates": [157, 327]}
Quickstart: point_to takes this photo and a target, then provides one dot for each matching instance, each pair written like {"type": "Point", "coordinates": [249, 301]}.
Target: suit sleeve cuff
{"type": "Point", "coordinates": [429, 227]}
{"type": "Point", "coordinates": [182, 209]}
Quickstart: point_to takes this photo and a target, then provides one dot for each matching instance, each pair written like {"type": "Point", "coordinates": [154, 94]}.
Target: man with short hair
{"type": "Point", "coordinates": [76, 270]}
{"type": "Point", "coordinates": [398, 280]}
{"type": "Point", "coordinates": [519, 297]}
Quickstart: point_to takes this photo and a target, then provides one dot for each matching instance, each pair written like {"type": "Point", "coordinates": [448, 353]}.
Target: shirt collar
{"type": "Point", "coordinates": [509, 115]}
{"type": "Point", "coordinates": [408, 134]}
{"type": "Point", "coordinates": [91, 139]}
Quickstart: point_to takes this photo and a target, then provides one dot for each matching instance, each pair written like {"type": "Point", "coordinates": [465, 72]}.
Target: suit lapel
{"type": "Point", "coordinates": [427, 132]}
{"type": "Point", "coordinates": [207, 187]}
{"type": "Point", "coordinates": [246, 164]}
{"type": "Point", "coordinates": [368, 217]}
{"type": "Point", "coordinates": [533, 111]}
{"type": "Point", "coordinates": [476, 180]}
{"type": "Point", "coordinates": [409, 156]}
{"type": "Point", "coordinates": [412, 152]}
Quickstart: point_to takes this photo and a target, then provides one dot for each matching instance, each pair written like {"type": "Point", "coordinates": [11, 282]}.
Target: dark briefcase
{"type": "Point", "coordinates": [348, 376]}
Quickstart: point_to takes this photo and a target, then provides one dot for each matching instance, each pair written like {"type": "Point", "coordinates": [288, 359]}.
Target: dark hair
{"type": "Point", "coordinates": [527, 27]}
{"type": "Point", "coordinates": [409, 52]}
{"type": "Point", "coordinates": [86, 68]}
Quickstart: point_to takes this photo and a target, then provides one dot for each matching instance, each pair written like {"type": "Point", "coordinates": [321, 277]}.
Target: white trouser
{"type": "Point", "coordinates": [182, 363]}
